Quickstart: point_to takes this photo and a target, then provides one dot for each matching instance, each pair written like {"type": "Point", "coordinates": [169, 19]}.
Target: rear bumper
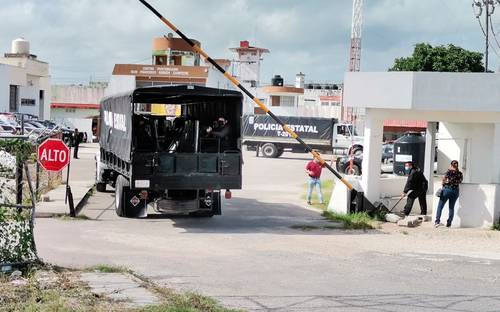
{"type": "Point", "coordinates": [160, 183]}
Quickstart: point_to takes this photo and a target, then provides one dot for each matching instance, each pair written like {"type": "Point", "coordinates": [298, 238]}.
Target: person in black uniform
{"type": "Point", "coordinates": [76, 143]}
{"type": "Point", "coordinates": [416, 187]}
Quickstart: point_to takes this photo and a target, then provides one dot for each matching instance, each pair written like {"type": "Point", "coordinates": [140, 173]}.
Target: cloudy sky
{"type": "Point", "coordinates": [83, 39]}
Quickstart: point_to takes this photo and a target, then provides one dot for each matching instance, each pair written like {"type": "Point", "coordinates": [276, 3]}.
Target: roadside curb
{"type": "Point", "coordinates": [78, 207]}
{"type": "Point", "coordinates": [84, 200]}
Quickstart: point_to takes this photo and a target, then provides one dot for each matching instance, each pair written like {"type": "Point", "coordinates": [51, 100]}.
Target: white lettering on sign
{"type": "Point", "coordinates": [115, 120]}
{"type": "Point", "coordinates": [279, 128]}
{"type": "Point", "coordinates": [53, 155]}
{"type": "Point", "coordinates": [158, 71]}
{"type": "Point", "coordinates": [403, 158]}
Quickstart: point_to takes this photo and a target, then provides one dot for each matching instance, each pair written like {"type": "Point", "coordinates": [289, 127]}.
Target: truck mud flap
{"type": "Point", "coordinates": [134, 206]}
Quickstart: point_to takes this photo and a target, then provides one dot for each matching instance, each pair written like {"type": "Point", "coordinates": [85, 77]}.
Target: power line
{"type": "Point", "coordinates": [493, 31]}
{"type": "Point", "coordinates": [488, 6]}
{"type": "Point", "coordinates": [484, 33]}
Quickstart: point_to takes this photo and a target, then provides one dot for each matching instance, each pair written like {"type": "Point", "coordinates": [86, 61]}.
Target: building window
{"type": "Point", "coordinates": [287, 101]}
{"type": "Point", "coordinates": [28, 102]}
{"type": "Point", "coordinates": [13, 98]}
{"type": "Point", "coordinates": [275, 100]}
{"type": "Point", "coordinates": [325, 103]}
{"type": "Point", "coordinates": [70, 110]}
{"type": "Point", "coordinates": [161, 60]}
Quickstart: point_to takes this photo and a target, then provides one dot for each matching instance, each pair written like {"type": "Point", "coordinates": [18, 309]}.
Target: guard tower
{"type": "Point", "coordinates": [247, 66]}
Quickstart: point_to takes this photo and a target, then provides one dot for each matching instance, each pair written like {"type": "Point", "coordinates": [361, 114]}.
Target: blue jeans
{"type": "Point", "coordinates": [310, 185]}
{"type": "Point", "coordinates": [451, 195]}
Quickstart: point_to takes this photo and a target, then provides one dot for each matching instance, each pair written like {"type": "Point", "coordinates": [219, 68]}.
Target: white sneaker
{"type": "Point", "coordinates": [436, 225]}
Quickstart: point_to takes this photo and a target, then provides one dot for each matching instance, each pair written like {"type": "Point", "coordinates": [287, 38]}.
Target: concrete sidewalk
{"type": "Point", "coordinates": [81, 180]}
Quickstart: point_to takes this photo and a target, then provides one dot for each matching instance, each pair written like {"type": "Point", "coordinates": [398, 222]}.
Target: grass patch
{"type": "Point", "coordinates": [49, 290]}
{"type": "Point", "coordinates": [78, 217]}
{"type": "Point", "coordinates": [105, 268]}
{"type": "Point", "coordinates": [496, 227]}
{"type": "Point", "coordinates": [353, 221]}
{"type": "Point", "coordinates": [326, 188]}
{"type": "Point", "coordinates": [189, 302]}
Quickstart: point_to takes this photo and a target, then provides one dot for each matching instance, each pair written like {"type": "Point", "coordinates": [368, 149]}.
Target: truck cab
{"type": "Point", "coordinates": [172, 147]}
{"type": "Point", "coordinates": [346, 138]}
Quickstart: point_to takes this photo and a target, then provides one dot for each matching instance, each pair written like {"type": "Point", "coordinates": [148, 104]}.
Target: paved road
{"type": "Point", "coordinates": [251, 257]}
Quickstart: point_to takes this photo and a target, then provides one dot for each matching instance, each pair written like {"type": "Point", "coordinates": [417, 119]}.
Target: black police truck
{"type": "Point", "coordinates": [172, 147]}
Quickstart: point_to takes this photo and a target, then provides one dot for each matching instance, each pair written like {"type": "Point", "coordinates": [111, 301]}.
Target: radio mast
{"type": "Point", "coordinates": [356, 28]}
{"type": "Point", "coordinates": [350, 114]}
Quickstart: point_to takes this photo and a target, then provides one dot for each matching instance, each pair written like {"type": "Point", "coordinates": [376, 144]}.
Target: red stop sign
{"type": "Point", "coordinates": [53, 155]}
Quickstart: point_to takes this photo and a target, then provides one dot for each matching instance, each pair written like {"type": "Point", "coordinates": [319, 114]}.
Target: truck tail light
{"type": "Point", "coordinates": [228, 194]}
{"type": "Point", "coordinates": [144, 194]}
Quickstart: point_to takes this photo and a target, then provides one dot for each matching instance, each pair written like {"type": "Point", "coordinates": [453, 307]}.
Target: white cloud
{"type": "Point", "coordinates": [87, 37]}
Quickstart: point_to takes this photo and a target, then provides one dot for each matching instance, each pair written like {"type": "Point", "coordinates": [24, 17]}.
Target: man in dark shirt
{"type": "Point", "coordinates": [76, 143]}
{"type": "Point", "coordinates": [313, 170]}
{"type": "Point", "coordinates": [416, 187]}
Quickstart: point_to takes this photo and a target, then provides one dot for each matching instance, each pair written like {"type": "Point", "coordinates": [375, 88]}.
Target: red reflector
{"type": "Point", "coordinates": [228, 194]}
{"type": "Point", "coordinates": [144, 194]}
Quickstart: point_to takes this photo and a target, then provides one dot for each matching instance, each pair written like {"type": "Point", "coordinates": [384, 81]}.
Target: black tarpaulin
{"type": "Point", "coordinates": [116, 125]}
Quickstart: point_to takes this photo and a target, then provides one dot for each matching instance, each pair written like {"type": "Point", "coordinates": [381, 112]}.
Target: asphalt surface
{"type": "Point", "coordinates": [256, 257]}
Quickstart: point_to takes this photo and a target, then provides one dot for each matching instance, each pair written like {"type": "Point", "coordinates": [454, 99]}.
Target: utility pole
{"type": "Point", "coordinates": [488, 6]}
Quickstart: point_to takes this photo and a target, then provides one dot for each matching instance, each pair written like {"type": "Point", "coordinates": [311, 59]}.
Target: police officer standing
{"type": "Point", "coordinates": [76, 143]}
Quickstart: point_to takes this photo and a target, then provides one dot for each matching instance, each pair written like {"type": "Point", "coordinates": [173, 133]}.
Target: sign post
{"type": "Point", "coordinates": [54, 155]}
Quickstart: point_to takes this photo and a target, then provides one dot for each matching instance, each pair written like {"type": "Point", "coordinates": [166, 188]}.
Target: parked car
{"type": "Point", "coordinates": [7, 127]}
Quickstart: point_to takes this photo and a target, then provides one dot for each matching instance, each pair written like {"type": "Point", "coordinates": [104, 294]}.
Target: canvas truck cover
{"type": "Point", "coordinates": [116, 126]}
{"type": "Point", "coordinates": [305, 127]}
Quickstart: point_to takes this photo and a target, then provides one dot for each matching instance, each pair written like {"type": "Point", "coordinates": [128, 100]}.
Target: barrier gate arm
{"type": "Point", "coordinates": [235, 82]}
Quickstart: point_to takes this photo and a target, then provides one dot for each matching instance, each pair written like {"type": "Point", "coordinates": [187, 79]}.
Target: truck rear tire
{"type": "Point", "coordinates": [100, 187]}
{"type": "Point", "coordinates": [121, 187]}
{"type": "Point", "coordinates": [270, 150]}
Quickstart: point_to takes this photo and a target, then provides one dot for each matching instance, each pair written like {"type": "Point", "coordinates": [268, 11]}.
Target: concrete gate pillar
{"type": "Point", "coordinates": [496, 153]}
{"type": "Point", "coordinates": [430, 153]}
{"type": "Point", "coordinates": [372, 156]}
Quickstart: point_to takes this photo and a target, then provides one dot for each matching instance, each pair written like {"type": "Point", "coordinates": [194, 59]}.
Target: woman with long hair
{"type": "Point", "coordinates": [450, 192]}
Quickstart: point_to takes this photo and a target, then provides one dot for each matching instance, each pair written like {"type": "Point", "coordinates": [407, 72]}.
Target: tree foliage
{"type": "Point", "coordinates": [441, 58]}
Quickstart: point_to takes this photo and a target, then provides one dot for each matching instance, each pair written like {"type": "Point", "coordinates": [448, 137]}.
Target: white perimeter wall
{"type": "Point", "coordinates": [119, 84]}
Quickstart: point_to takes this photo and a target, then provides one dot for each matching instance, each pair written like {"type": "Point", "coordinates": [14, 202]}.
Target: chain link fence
{"type": "Point", "coordinates": [17, 203]}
